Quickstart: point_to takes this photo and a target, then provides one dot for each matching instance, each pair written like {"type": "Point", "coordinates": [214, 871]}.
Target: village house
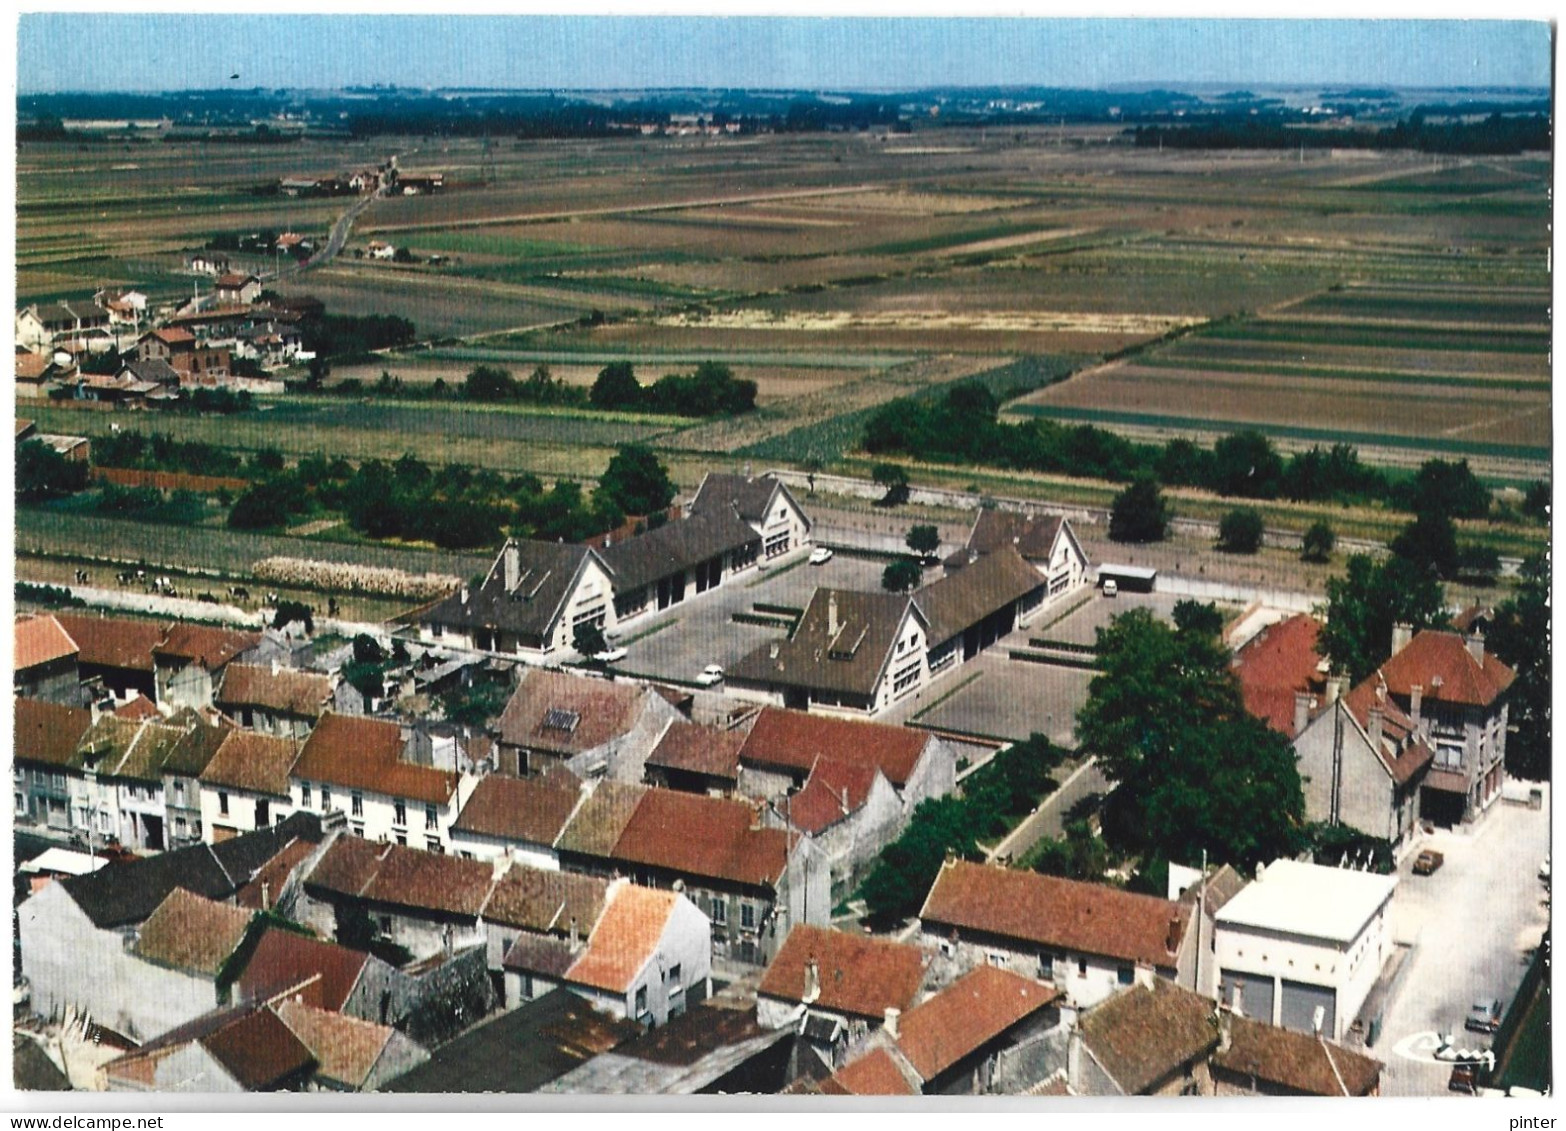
{"type": "Point", "coordinates": [183, 766]}
{"type": "Point", "coordinates": [41, 372]}
{"type": "Point", "coordinates": [1088, 939]}
{"type": "Point", "coordinates": [536, 924]}
{"type": "Point", "coordinates": [1046, 542]}
{"type": "Point", "coordinates": [44, 661]}
{"type": "Point", "coordinates": [208, 263]}
{"type": "Point", "coordinates": [1254, 1059]}
{"type": "Point", "coordinates": [120, 795]}
{"type": "Point", "coordinates": [219, 1052]}
{"type": "Point", "coordinates": [835, 988]}
{"type": "Point", "coordinates": [752, 882]}
{"type": "Point", "coordinates": [116, 653]}
{"type": "Point", "coordinates": [236, 288]}
{"type": "Point", "coordinates": [696, 759]}
{"type": "Point", "coordinates": [150, 375]}
{"type": "Point", "coordinates": [591, 726]}
{"type": "Point", "coordinates": [1282, 674]}
{"type": "Point", "coordinates": [45, 756]}
{"type": "Point", "coordinates": [529, 603]}
{"type": "Point", "coordinates": [273, 699]}
{"type": "Point", "coordinates": [63, 323]}
{"type": "Point", "coordinates": [172, 972]}
{"type": "Point", "coordinates": [180, 349]}
{"type": "Point", "coordinates": [380, 249]}
{"type": "Point", "coordinates": [357, 766]}
{"type": "Point", "coordinates": [246, 785]}
{"type": "Point", "coordinates": [1149, 1039]}
{"type": "Point", "coordinates": [1302, 946]}
{"type": "Point", "coordinates": [981, 1035]}
{"type": "Point", "coordinates": [319, 973]}
{"type": "Point", "coordinates": [190, 660]}
{"type": "Point", "coordinates": [517, 817]}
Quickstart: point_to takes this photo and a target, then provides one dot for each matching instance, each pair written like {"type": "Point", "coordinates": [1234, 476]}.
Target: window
{"type": "Point", "coordinates": [1082, 968]}
{"type": "Point", "coordinates": [326, 798]}
{"type": "Point", "coordinates": [18, 773]}
{"type": "Point", "coordinates": [429, 818]}
{"type": "Point", "coordinates": [357, 829]}
{"type": "Point", "coordinates": [263, 813]}
{"type": "Point", "coordinates": [1125, 975]}
{"type": "Point", "coordinates": [304, 794]}
{"type": "Point", "coordinates": [674, 978]}
{"type": "Point", "coordinates": [223, 803]}
{"type": "Point", "coordinates": [747, 915]}
{"type": "Point", "coordinates": [995, 958]}
{"type": "Point", "coordinates": [720, 910]}
{"type": "Point", "coordinates": [399, 812]}
{"type": "Point", "coordinates": [402, 838]}
{"type": "Point", "coordinates": [357, 802]}
{"type": "Point", "coordinates": [21, 804]}
{"type": "Point", "coordinates": [57, 780]}
{"type": "Point", "coordinates": [641, 1000]}
{"type": "Point", "coordinates": [179, 790]}
{"type": "Point", "coordinates": [433, 844]}
{"type": "Point", "coordinates": [386, 924]}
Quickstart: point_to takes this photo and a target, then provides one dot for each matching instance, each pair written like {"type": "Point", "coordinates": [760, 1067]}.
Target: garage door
{"type": "Point", "coordinates": [1299, 1003]}
{"type": "Point", "coordinates": [1248, 994]}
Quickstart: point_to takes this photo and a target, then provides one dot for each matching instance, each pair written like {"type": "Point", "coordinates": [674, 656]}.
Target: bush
{"type": "Point", "coordinates": [43, 473]}
{"type": "Point", "coordinates": [1240, 531]}
{"type": "Point", "coordinates": [1317, 544]}
{"type": "Point", "coordinates": [1139, 513]}
{"type": "Point", "coordinates": [901, 576]}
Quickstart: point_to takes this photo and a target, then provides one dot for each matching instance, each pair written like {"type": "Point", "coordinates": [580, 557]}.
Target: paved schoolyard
{"type": "Point", "coordinates": [1081, 625]}
{"type": "Point", "coordinates": [1008, 699]}
{"type": "Point", "coordinates": [1473, 920]}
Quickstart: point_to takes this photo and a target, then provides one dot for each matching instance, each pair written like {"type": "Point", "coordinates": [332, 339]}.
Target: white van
{"type": "Point", "coordinates": [1111, 587]}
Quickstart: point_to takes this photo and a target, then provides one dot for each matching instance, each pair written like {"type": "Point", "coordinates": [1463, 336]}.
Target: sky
{"type": "Point", "coordinates": [173, 50]}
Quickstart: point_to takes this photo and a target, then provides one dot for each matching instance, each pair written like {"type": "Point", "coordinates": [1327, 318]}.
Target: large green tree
{"type": "Point", "coordinates": [1193, 770]}
{"type": "Point", "coordinates": [1139, 513]}
{"type": "Point", "coordinates": [636, 482]}
{"type": "Point", "coordinates": [1364, 604]}
{"type": "Point", "coordinates": [616, 387]}
{"type": "Point", "coordinates": [43, 473]}
{"type": "Point", "coordinates": [1520, 636]}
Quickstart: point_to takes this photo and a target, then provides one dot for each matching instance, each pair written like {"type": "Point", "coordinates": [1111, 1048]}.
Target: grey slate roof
{"type": "Point", "coordinates": [547, 571]}
{"type": "Point", "coordinates": [750, 497]}
{"type": "Point", "coordinates": [155, 370]}
{"type": "Point", "coordinates": [849, 659]}
{"type": "Point", "coordinates": [675, 546]}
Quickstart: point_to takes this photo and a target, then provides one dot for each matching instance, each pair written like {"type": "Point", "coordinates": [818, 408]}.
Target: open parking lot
{"type": "Point", "coordinates": [1472, 922]}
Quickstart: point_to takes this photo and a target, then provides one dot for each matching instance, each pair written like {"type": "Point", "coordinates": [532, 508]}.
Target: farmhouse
{"type": "Point", "coordinates": [235, 288]}
{"type": "Point", "coordinates": [1304, 941]}
{"type": "Point", "coordinates": [591, 726]}
{"type": "Point", "coordinates": [1089, 939]}
{"type": "Point", "coordinates": [116, 653]}
{"type": "Point", "coordinates": [45, 758]}
{"type": "Point", "coordinates": [191, 658]}
{"type": "Point", "coordinates": [273, 700]}
{"type": "Point", "coordinates": [246, 786]}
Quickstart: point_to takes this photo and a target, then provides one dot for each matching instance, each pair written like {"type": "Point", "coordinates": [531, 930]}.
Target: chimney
{"type": "Point", "coordinates": [511, 556]}
{"type": "Point", "coordinates": [1302, 705]}
{"type": "Point", "coordinates": [1416, 702]}
{"type": "Point", "coordinates": [812, 982]}
{"type": "Point", "coordinates": [276, 666]}
{"type": "Point", "coordinates": [1476, 648]}
{"type": "Point", "coordinates": [1376, 718]}
{"type": "Point", "coordinates": [266, 896]}
{"type": "Point", "coordinates": [832, 625]}
{"type": "Point", "coordinates": [1172, 943]}
{"type": "Point", "coordinates": [464, 594]}
{"type": "Point", "coordinates": [1402, 633]}
{"type": "Point", "coordinates": [892, 1016]}
{"type": "Point", "coordinates": [573, 935]}
{"type": "Point", "coordinates": [1336, 686]}
{"type": "Point", "coordinates": [773, 649]}
{"type": "Point", "coordinates": [1225, 1036]}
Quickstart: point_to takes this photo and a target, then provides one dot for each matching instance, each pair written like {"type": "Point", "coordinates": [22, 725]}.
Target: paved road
{"type": "Point", "coordinates": [334, 241]}
{"type": "Point", "coordinates": [1049, 819]}
{"type": "Point", "coordinates": [1472, 920]}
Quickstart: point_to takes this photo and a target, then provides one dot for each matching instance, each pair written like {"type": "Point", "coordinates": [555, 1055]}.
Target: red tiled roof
{"type": "Point", "coordinates": [1441, 663]}
{"type": "Point", "coordinates": [41, 640]}
{"type": "Point", "coordinates": [259, 1051]}
{"type": "Point", "coordinates": [425, 880]}
{"type": "Point", "coordinates": [347, 866]}
{"type": "Point", "coordinates": [48, 732]}
{"type": "Point", "coordinates": [345, 1048]}
{"type": "Point", "coordinates": [699, 750]}
{"type": "Point", "coordinates": [1302, 1063]}
{"type": "Point", "coordinates": [190, 933]}
{"type": "Point", "coordinates": [138, 707]}
{"type": "Point", "coordinates": [359, 753]}
{"type": "Point", "coordinates": [519, 809]}
{"type": "Point", "coordinates": [966, 1015]}
{"type": "Point", "coordinates": [172, 336]}
{"type": "Point", "coordinates": [834, 791]}
{"type": "Point", "coordinates": [795, 739]}
{"type": "Point", "coordinates": [858, 974]}
{"type": "Point", "coordinates": [295, 692]}
{"type": "Point", "coordinates": [1067, 914]}
{"type": "Point", "coordinates": [208, 646]}
{"type": "Point", "coordinates": [284, 959]}
{"type": "Point", "coordinates": [1402, 751]}
{"type": "Point", "coordinates": [874, 1074]}
{"type": "Point", "coordinates": [703, 836]}
{"type": "Point", "coordinates": [255, 762]}
{"type": "Point", "coordinates": [602, 710]}
{"type": "Point", "coordinates": [1278, 662]}
{"type": "Point", "coordinates": [260, 894]}
{"type": "Point", "coordinates": [540, 900]}
{"type": "Point", "coordinates": [625, 939]}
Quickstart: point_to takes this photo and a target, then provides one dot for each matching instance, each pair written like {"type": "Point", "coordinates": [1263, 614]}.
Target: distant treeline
{"type": "Point", "coordinates": [1497, 134]}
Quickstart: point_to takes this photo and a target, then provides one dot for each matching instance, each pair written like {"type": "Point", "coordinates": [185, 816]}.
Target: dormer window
{"type": "Point", "coordinates": [561, 719]}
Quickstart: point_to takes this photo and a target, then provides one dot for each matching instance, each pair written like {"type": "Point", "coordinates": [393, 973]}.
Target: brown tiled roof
{"type": "Point", "coordinates": [712, 837]}
{"type": "Point", "coordinates": [962, 599]}
{"type": "Point", "coordinates": [1069, 915]}
{"type": "Point", "coordinates": [1033, 534]}
{"type": "Point", "coordinates": [747, 497]}
{"type": "Point", "coordinates": [625, 938]}
{"type": "Point", "coordinates": [795, 739]}
{"type": "Point", "coordinates": [679, 545]}
{"type": "Point", "coordinates": [345, 1048]}
{"type": "Point", "coordinates": [255, 762]}
{"type": "Point", "coordinates": [877, 1073]}
{"type": "Point", "coordinates": [284, 959]}
{"type": "Point", "coordinates": [966, 1015]}
{"type": "Point", "coordinates": [858, 974]}
{"type": "Point", "coordinates": [286, 690]}
{"type": "Point", "coordinates": [834, 792]}
{"type": "Point", "coordinates": [137, 708]}
{"type": "Point", "coordinates": [1280, 660]}
{"type": "Point", "coordinates": [519, 809]}
{"type": "Point", "coordinates": [430, 882]}
{"type": "Point", "coordinates": [601, 818]}
{"type": "Point", "coordinates": [48, 732]}
{"type": "Point", "coordinates": [210, 647]}
{"type": "Point", "coordinates": [848, 660]}
{"type": "Point", "coordinates": [699, 750]}
{"type": "Point", "coordinates": [260, 1052]}
{"type": "Point", "coordinates": [190, 933]}
{"type": "Point", "coordinates": [114, 642]}
{"type": "Point", "coordinates": [41, 640]}
{"type": "Point", "coordinates": [1403, 752]}
{"type": "Point", "coordinates": [171, 336]}
{"type": "Point", "coordinates": [197, 746]}
{"type": "Point", "coordinates": [537, 899]}
{"type": "Point", "coordinates": [359, 753]}
{"type": "Point", "coordinates": [347, 866]}
{"type": "Point", "coordinates": [149, 748]}
{"type": "Point", "coordinates": [1144, 1033]}
{"type": "Point", "coordinates": [31, 365]}
{"type": "Point", "coordinates": [1441, 663]}
{"type": "Point", "coordinates": [595, 711]}
{"type": "Point", "coordinates": [1302, 1063]}
{"type": "Point", "coordinates": [541, 954]}
{"type": "Point", "coordinates": [260, 892]}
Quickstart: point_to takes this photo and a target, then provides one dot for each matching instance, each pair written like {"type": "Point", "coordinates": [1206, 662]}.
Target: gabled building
{"type": "Point", "coordinates": [1151, 1039]}
{"type": "Point", "coordinates": [116, 652]}
{"type": "Point", "coordinates": [1046, 542]}
{"type": "Point", "coordinates": [237, 288]}
{"type": "Point", "coordinates": [763, 502]}
{"type": "Point", "coordinates": [44, 662]}
{"type": "Point", "coordinates": [1253, 1059]}
{"type": "Point", "coordinates": [46, 760]}
{"type": "Point", "coordinates": [1088, 939]}
{"type": "Point", "coordinates": [659, 568]}
{"type": "Point", "coordinates": [191, 753]}
{"type": "Point", "coordinates": [246, 785]}
{"type": "Point", "coordinates": [529, 603]}
{"type": "Point", "coordinates": [593, 727]}
{"type": "Point", "coordinates": [696, 759]}
{"type": "Point", "coordinates": [517, 817]}
{"type": "Point", "coordinates": [273, 700]}
{"type": "Point", "coordinates": [189, 661]}
{"type": "Point", "coordinates": [1283, 677]}
{"type": "Point", "coordinates": [243, 1049]}
{"type": "Point", "coordinates": [183, 949]}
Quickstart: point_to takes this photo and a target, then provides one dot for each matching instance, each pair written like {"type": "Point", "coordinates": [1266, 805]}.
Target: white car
{"type": "Point", "coordinates": [820, 555]}
{"type": "Point", "coordinates": [610, 656]}
{"type": "Point", "coordinates": [710, 675]}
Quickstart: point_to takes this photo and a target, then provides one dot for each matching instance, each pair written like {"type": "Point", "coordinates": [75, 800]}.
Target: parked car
{"type": "Point", "coordinates": [1484, 1017]}
{"type": "Point", "coordinates": [1428, 861]}
{"type": "Point", "coordinates": [1111, 588]}
{"type": "Point", "coordinates": [710, 675]}
{"type": "Point", "coordinates": [820, 555]}
{"type": "Point", "coordinates": [1464, 1078]}
{"type": "Point", "coordinates": [610, 656]}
